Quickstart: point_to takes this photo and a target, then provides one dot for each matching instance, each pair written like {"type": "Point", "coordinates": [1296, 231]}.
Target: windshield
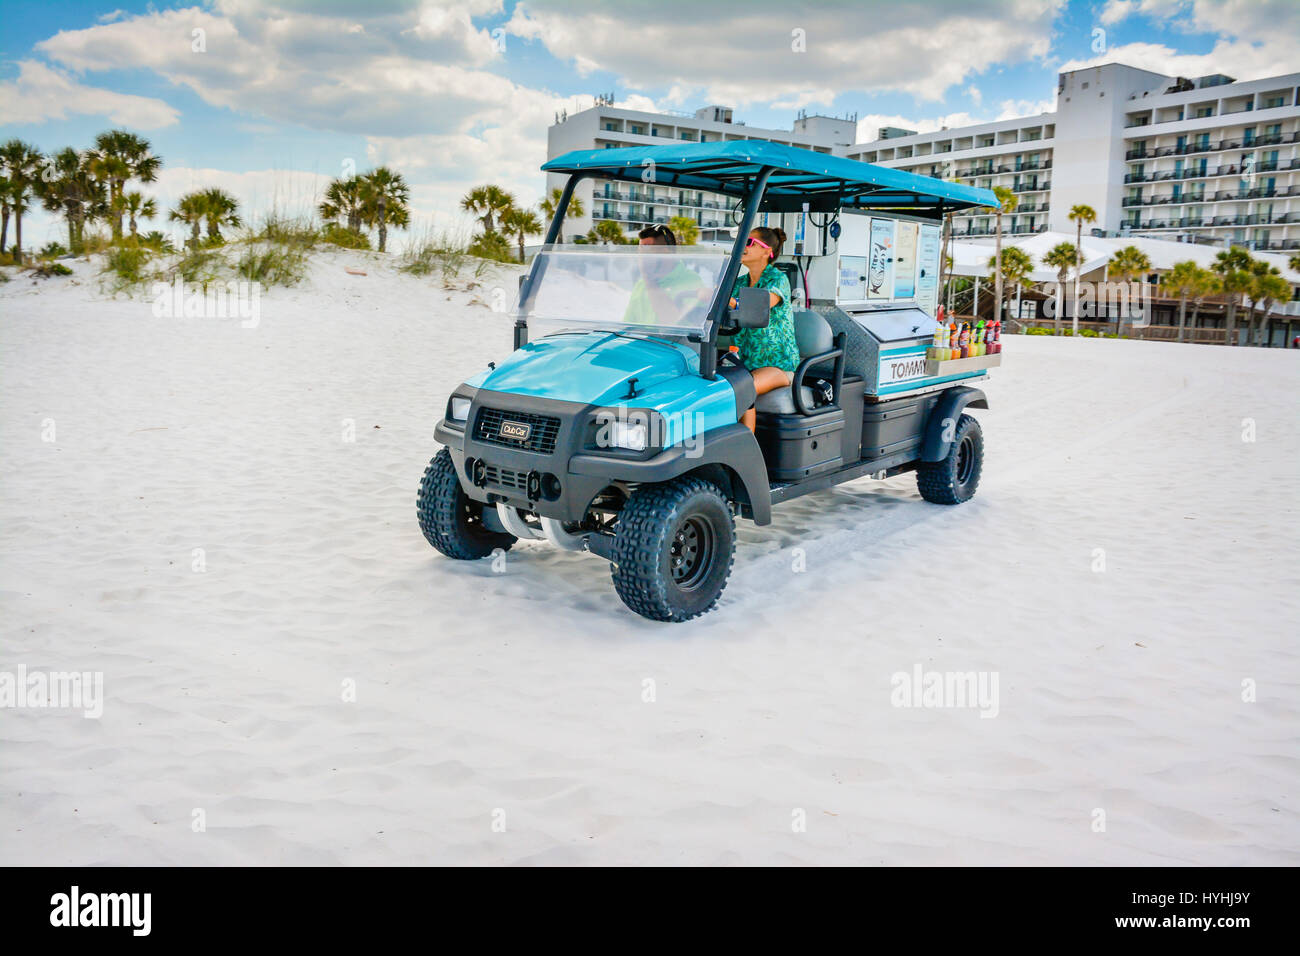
{"type": "Point", "coordinates": [663, 290]}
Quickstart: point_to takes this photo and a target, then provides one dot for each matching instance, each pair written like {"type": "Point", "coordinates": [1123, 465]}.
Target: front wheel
{"type": "Point", "coordinates": [953, 479]}
{"type": "Point", "coordinates": [673, 549]}
{"type": "Point", "coordinates": [452, 521]}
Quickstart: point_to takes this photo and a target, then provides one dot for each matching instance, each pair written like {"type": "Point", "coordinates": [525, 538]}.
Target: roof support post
{"type": "Point", "coordinates": [552, 236]}
{"type": "Point", "coordinates": [722, 298]}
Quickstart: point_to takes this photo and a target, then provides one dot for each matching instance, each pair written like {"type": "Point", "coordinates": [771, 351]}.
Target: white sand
{"type": "Point", "coordinates": [476, 691]}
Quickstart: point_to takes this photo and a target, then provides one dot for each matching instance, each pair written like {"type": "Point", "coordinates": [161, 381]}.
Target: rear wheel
{"type": "Point", "coordinates": [452, 521]}
{"type": "Point", "coordinates": [953, 479]}
{"type": "Point", "coordinates": [673, 549]}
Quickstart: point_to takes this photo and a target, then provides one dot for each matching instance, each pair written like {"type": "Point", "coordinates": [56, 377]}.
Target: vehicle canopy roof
{"type": "Point", "coordinates": [825, 182]}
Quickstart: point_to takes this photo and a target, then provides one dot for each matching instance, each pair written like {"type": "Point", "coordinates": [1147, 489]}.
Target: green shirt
{"type": "Point", "coordinates": [774, 345]}
{"type": "Point", "coordinates": [681, 286]}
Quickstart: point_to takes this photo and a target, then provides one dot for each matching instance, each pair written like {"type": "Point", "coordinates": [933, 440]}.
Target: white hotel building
{"type": "Point", "coordinates": [1206, 159]}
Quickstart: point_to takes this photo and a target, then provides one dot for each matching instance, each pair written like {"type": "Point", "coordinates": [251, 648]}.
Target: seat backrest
{"type": "Point", "coordinates": [813, 333]}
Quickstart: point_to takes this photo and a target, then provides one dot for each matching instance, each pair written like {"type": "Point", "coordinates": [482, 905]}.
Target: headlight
{"type": "Point", "coordinates": [629, 435]}
{"type": "Point", "coordinates": [458, 409]}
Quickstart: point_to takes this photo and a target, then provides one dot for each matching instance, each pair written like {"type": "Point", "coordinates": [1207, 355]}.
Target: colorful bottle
{"type": "Point", "coordinates": [977, 340]}
{"type": "Point", "coordinates": [988, 339]}
{"type": "Point", "coordinates": [963, 340]}
{"type": "Point", "coordinates": [997, 336]}
{"type": "Point", "coordinates": [952, 338]}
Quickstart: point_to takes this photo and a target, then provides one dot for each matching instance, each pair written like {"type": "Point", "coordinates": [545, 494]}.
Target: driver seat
{"type": "Point", "coordinates": [815, 337]}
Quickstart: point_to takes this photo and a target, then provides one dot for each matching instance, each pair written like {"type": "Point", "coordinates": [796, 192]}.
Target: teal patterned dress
{"type": "Point", "coordinates": [774, 345]}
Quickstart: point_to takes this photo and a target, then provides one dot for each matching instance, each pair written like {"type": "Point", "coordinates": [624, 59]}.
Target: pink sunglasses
{"type": "Point", "coordinates": [759, 242]}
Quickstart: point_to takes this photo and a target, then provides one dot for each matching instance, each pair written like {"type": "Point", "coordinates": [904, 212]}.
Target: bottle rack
{"type": "Point", "coordinates": [959, 366]}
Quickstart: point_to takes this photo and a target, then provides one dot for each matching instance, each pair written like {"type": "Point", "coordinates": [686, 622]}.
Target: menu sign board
{"type": "Point", "coordinates": [880, 272]}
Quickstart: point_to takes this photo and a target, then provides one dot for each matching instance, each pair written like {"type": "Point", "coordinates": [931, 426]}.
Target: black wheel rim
{"type": "Point", "coordinates": [965, 460]}
{"type": "Point", "coordinates": [690, 554]}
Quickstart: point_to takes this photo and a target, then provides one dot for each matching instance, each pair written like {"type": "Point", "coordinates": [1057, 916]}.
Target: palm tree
{"type": "Point", "coordinates": [21, 164]}
{"type": "Point", "coordinates": [139, 207]}
{"type": "Point", "coordinates": [1260, 289]}
{"type": "Point", "coordinates": [1207, 284]}
{"type": "Point", "coordinates": [520, 223]}
{"type": "Point", "coordinates": [1011, 266]}
{"type": "Point", "coordinates": [1269, 288]}
{"type": "Point", "coordinates": [69, 187]}
{"type": "Point", "coordinates": [1232, 266]}
{"type": "Point", "coordinates": [607, 231]}
{"type": "Point", "coordinates": [120, 156]}
{"type": "Point", "coordinates": [192, 209]}
{"type": "Point", "coordinates": [1127, 263]}
{"type": "Point", "coordinates": [1007, 203]}
{"type": "Point", "coordinates": [343, 200]}
{"type": "Point", "coordinates": [1079, 214]}
{"type": "Point", "coordinates": [1294, 262]}
{"type": "Point", "coordinates": [386, 201]}
{"type": "Point", "coordinates": [487, 203]}
{"type": "Point", "coordinates": [6, 210]}
{"type": "Point", "coordinates": [1181, 281]}
{"type": "Point", "coordinates": [220, 209]}
{"type": "Point", "coordinates": [1061, 257]}
{"type": "Point", "coordinates": [548, 205]}
{"type": "Point", "coordinates": [686, 229]}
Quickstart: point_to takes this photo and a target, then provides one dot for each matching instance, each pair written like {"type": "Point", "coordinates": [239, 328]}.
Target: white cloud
{"type": "Point", "coordinates": [39, 94]}
{"type": "Point", "coordinates": [1255, 38]}
{"type": "Point", "coordinates": [974, 93]}
{"type": "Point", "coordinates": [1116, 10]}
{"type": "Point", "coordinates": [1237, 59]}
{"type": "Point", "coordinates": [746, 53]}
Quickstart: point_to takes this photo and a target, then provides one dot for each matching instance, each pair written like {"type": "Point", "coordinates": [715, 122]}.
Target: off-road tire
{"type": "Point", "coordinates": [953, 479]}
{"type": "Point", "coordinates": [452, 521]}
{"type": "Point", "coordinates": [673, 549]}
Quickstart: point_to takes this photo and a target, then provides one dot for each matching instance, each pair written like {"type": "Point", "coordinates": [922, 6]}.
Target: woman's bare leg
{"type": "Point", "coordinates": [766, 379]}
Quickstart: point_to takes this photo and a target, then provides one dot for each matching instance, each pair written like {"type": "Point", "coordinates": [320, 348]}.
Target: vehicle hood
{"type": "Point", "coordinates": [589, 367]}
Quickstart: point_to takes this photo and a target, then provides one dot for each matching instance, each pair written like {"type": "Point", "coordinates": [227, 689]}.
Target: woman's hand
{"type": "Point", "coordinates": [732, 303]}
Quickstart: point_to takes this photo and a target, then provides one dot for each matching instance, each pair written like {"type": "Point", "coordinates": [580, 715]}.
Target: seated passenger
{"type": "Point", "coordinates": [666, 289]}
{"type": "Point", "coordinates": [771, 354]}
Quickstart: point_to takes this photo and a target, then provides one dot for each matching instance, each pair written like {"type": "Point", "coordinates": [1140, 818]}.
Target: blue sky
{"type": "Point", "coordinates": [274, 98]}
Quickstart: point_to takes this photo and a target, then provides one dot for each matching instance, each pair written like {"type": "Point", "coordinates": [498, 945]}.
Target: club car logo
{"type": "Point", "coordinates": [515, 431]}
{"type": "Point", "coordinates": [901, 369]}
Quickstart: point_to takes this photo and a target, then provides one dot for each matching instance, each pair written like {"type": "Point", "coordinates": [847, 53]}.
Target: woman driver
{"type": "Point", "coordinates": [771, 354]}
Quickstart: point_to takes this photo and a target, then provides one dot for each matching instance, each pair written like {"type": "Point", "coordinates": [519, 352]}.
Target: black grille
{"type": "Point", "coordinates": [505, 477]}
{"type": "Point", "coordinates": [542, 429]}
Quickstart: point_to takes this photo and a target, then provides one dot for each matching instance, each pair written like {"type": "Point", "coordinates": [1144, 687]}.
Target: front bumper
{"type": "Point", "coordinates": [533, 474]}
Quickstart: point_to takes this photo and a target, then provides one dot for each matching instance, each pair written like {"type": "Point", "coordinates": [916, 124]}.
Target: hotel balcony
{"type": "Point", "coordinates": [1187, 149]}
{"type": "Point", "coordinates": [1220, 196]}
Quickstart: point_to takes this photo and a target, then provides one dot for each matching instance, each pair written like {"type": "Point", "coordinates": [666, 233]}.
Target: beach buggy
{"type": "Point", "coordinates": [613, 427]}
